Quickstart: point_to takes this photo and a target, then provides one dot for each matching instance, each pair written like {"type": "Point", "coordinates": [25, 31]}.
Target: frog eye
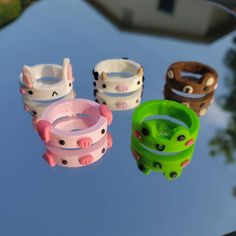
{"type": "Point", "coordinates": [145, 131]}
{"type": "Point", "coordinates": [187, 89]}
{"type": "Point", "coordinates": [181, 138]}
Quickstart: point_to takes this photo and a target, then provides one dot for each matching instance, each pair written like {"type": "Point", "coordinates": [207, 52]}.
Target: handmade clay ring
{"type": "Point", "coordinates": [36, 108]}
{"type": "Point", "coordinates": [165, 135]}
{"type": "Point", "coordinates": [198, 105]}
{"type": "Point", "coordinates": [120, 103]}
{"type": "Point", "coordinates": [104, 82]}
{"type": "Point", "coordinates": [78, 157]}
{"type": "Point", "coordinates": [207, 83]}
{"type": "Point", "coordinates": [74, 138]}
{"type": "Point", "coordinates": [170, 165]}
{"type": "Point", "coordinates": [33, 87]}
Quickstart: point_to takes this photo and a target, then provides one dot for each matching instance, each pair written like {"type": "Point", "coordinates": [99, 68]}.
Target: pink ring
{"type": "Point", "coordinates": [79, 157]}
{"type": "Point", "coordinates": [83, 138]}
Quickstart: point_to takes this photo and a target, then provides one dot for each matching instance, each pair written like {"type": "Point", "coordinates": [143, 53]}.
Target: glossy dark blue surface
{"type": "Point", "coordinates": [111, 197]}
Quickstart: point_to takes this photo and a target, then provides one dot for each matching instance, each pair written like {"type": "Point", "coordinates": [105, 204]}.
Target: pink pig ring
{"type": "Point", "coordinates": [74, 138]}
{"type": "Point", "coordinates": [111, 76]}
{"type": "Point", "coordinates": [78, 157]}
{"type": "Point", "coordinates": [34, 86]}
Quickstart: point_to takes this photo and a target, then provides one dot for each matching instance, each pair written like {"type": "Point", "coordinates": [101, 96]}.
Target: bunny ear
{"type": "Point", "coordinates": [27, 76]}
{"type": "Point", "coordinates": [67, 72]}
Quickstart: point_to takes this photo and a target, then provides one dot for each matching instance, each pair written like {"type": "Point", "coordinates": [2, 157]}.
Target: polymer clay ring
{"type": "Point", "coordinates": [74, 138]}
{"type": "Point", "coordinates": [162, 134]}
{"type": "Point", "coordinates": [36, 108]}
{"type": "Point", "coordinates": [190, 83]}
{"type": "Point", "coordinates": [111, 76]}
{"type": "Point", "coordinates": [198, 105]}
{"type": "Point", "coordinates": [120, 103]}
{"type": "Point", "coordinates": [79, 157]}
{"type": "Point", "coordinates": [170, 165]}
{"type": "Point", "coordinates": [36, 82]}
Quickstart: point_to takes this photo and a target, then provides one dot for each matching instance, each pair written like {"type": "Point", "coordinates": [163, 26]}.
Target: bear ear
{"type": "Point", "coordinates": [67, 72]}
{"type": "Point", "coordinates": [27, 76]}
{"type": "Point", "coordinates": [104, 76]}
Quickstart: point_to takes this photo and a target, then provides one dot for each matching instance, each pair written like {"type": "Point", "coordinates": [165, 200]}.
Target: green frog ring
{"type": "Point", "coordinates": [161, 134]}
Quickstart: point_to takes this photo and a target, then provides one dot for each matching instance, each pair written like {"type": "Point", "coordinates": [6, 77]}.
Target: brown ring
{"type": "Point", "coordinates": [204, 85]}
{"type": "Point", "coordinates": [196, 104]}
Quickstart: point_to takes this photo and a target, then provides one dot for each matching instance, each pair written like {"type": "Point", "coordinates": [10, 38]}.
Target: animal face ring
{"type": "Point", "coordinates": [164, 135]}
{"type": "Point", "coordinates": [207, 82]}
{"type": "Point", "coordinates": [33, 87]}
{"type": "Point", "coordinates": [106, 83]}
{"type": "Point", "coordinates": [73, 138]}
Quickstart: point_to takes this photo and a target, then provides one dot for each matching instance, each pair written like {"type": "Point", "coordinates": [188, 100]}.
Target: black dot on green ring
{"type": "Point", "coordinates": [181, 138]}
{"type": "Point", "coordinates": [103, 131]}
{"type": "Point", "coordinates": [157, 165]}
{"type": "Point", "coordinates": [61, 142]}
{"type": "Point", "coordinates": [173, 175]}
{"type": "Point", "coordinates": [103, 150]}
{"type": "Point", "coordinates": [64, 162]}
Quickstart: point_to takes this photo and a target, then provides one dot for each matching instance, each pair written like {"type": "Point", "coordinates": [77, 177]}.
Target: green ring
{"type": "Point", "coordinates": [155, 139]}
{"type": "Point", "coordinates": [152, 161]}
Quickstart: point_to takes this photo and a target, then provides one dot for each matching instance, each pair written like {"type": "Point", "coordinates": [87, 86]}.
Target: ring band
{"type": "Point", "coordinates": [32, 87]}
{"type": "Point", "coordinates": [118, 84]}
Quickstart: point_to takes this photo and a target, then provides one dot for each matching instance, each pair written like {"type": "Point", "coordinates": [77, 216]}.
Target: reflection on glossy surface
{"type": "Point", "coordinates": [115, 198]}
{"type": "Point", "coordinates": [12, 9]}
{"type": "Point", "coordinates": [224, 140]}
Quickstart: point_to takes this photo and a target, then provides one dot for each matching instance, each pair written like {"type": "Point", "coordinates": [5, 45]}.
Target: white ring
{"type": "Point", "coordinates": [35, 89]}
{"type": "Point", "coordinates": [118, 83]}
{"type": "Point", "coordinates": [120, 103]}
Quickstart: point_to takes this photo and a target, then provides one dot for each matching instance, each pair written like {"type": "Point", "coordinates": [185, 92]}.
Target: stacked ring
{"type": "Point", "coordinates": [171, 136]}
{"type": "Point", "coordinates": [72, 129]}
{"type": "Point", "coordinates": [34, 86]}
{"type": "Point", "coordinates": [118, 103]}
{"type": "Point", "coordinates": [170, 165]}
{"type": "Point", "coordinates": [118, 76]}
{"type": "Point", "coordinates": [190, 84]}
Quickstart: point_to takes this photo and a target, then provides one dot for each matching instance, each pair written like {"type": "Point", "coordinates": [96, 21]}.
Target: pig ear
{"type": "Point", "coordinates": [67, 70]}
{"type": "Point", "coordinates": [27, 76]}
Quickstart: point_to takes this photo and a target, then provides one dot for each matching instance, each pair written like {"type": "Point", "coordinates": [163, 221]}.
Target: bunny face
{"type": "Point", "coordinates": [118, 84]}
{"type": "Point", "coordinates": [207, 82]}
{"type": "Point", "coordinates": [32, 87]}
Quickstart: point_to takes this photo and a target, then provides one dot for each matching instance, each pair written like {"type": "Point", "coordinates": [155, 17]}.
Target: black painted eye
{"type": "Point", "coordinates": [69, 84]}
{"type": "Point", "coordinates": [206, 89]}
{"type": "Point", "coordinates": [96, 100]}
{"type": "Point", "coordinates": [181, 138]}
{"type": "Point", "coordinates": [30, 92]}
{"type": "Point", "coordinates": [103, 131]}
{"type": "Point", "coordinates": [62, 142]}
{"type": "Point", "coordinates": [141, 167]}
{"type": "Point", "coordinates": [160, 147]}
{"type": "Point", "coordinates": [104, 86]}
{"type": "Point", "coordinates": [64, 162]}
{"type": "Point", "coordinates": [173, 175]}
{"type": "Point", "coordinates": [94, 83]}
{"type": "Point", "coordinates": [95, 75]}
{"type": "Point", "coordinates": [157, 165]}
{"type": "Point", "coordinates": [138, 82]}
{"type": "Point", "coordinates": [34, 112]}
{"type": "Point", "coordinates": [95, 92]}
{"type": "Point", "coordinates": [137, 101]}
{"type": "Point", "coordinates": [103, 150]}
{"type": "Point", "coordinates": [104, 103]}
{"type": "Point", "coordinates": [145, 131]}
{"type": "Point", "coordinates": [202, 105]}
